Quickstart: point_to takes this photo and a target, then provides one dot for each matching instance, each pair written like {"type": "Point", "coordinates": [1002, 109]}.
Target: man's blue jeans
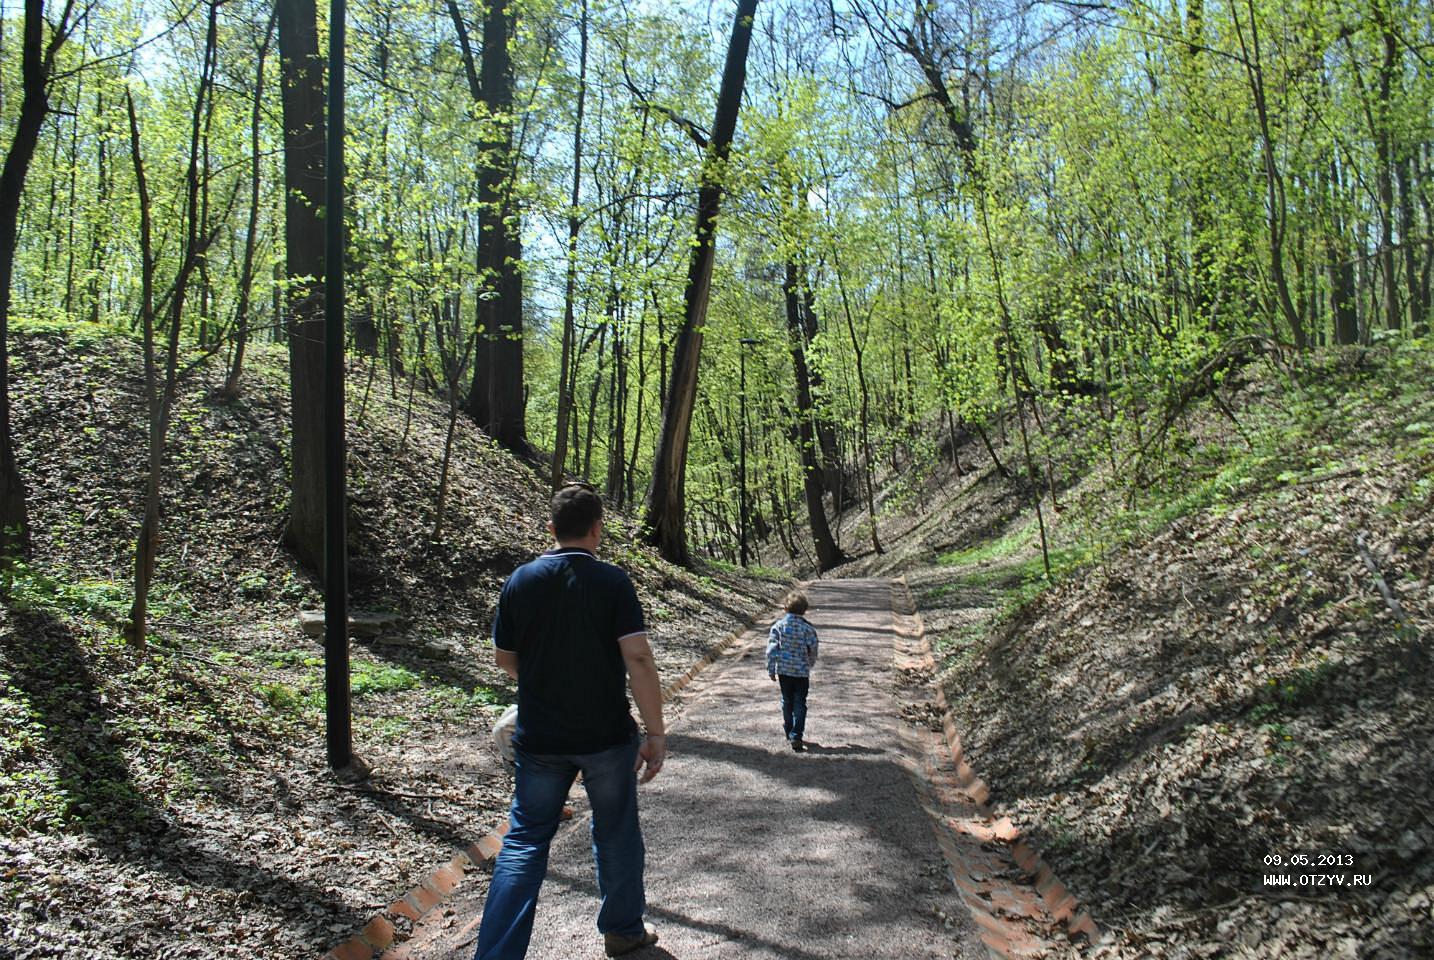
{"type": "Point", "coordinates": [543, 781]}
{"type": "Point", "coordinates": [794, 704]}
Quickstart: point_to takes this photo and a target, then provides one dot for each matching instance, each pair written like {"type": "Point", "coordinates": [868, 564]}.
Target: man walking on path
{"type": "Point", "coordinates": [791, 652]}
{"type": "Point", "coordinates": [569, 629]}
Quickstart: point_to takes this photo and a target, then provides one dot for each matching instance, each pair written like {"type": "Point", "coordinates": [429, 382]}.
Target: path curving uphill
{"type": "Point", "coordinates": [757, 851]}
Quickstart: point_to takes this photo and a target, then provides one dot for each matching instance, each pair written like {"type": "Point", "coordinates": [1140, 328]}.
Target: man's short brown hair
{"type": "Point", "coordinates": [576, 507]}
{"type": "Point", "coordinates": [796, 602]}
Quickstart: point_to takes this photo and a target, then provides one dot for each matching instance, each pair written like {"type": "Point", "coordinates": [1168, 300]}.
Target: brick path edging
{"type": "Point", "coordinates": [396, 922]}
{"type": "Point", "coordinates": [1062, 903]}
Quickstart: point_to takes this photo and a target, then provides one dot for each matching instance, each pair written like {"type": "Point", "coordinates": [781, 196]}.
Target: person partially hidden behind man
{"type": "Point", "coordinates": [569, 629]}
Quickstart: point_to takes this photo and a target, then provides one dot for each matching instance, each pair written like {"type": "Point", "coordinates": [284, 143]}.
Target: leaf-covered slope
{"type": "Point", "coordinates": [1223, 680]}
{"type": "Point", "coordinates": [174, 801]}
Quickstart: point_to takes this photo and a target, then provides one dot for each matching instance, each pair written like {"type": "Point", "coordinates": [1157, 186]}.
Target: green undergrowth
{"type": "Point", "coordinates": [1219, 672]}
{"type": "Point", "coordinates": [1338, 414]}
{"type": "Point", "coordinates": [300, 691]}
{"type": "Point", "coordinates": [101, 736]}
{"type": "Point", "coordinates": [104, 738]}
{"type": "Point", "coordinates": [99, 605]}
{"type": "Point", "coordinates": [1011, 568]}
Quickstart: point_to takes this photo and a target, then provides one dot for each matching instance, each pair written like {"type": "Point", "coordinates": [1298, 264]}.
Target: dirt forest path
{"type": "Point", "coordinates": [757, 851]}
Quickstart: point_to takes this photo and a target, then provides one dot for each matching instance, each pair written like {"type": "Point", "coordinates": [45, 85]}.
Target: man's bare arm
{"type": "Point", "coordinates": [647, 693]}
{"type": "Point", "coordinates": [507, 660]}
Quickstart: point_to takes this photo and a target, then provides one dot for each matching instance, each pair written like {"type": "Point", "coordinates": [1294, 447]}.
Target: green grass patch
{"type": "Point", "coordinates": [367, 679]}
{"type": "Point", "coordinates": [35, 591]}
{"type": "Point", "coordinates": [77, 599]}
{"type": "Point", "coordinates": [77, 333]}
{"type": "Point", "coordinates": [1007, 545]}
{"type": "Point", "coordinates": [32, 799]}
{"type": "Point", "coordinates": [289, 698]}
{"type": "Point", "coordinates": [473, 704]}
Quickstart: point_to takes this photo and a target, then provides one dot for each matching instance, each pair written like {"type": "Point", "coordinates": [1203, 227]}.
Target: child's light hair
{"type": "Point", "coordinates": [796, 602]}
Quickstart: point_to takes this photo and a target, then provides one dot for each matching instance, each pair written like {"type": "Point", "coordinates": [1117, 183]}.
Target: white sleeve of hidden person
{"type": "Point", "coordinates": [503, 732]}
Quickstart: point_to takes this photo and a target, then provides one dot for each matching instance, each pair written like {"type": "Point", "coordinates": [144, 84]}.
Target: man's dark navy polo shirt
{"type": "Point", "coordinates": [563, 615]}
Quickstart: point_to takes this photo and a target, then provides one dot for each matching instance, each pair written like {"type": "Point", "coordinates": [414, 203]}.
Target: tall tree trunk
{"type": "Point", "coordinates": [829, 555]}
{"type": "Point", "coordinates": [833, 476]}
{"type": "Point", "coordinates": [37, 61]}
{"type": "Point", "coordinates": [99, 231]}
{"type": "Point", "coordinates": [617, 412]}
{"type": "Point", "coordinates": [565, 397]}
{"type": "Point", "coordinates": [74, 165]}
{"type": "Point", "coordinates": [159, 394]}
{"type": "Point", "coordinates": [665, 515]}
{"type": "Point", "coordinates": [631, 471]}
{"type": "Point", "coordinates": [864, 416]}
{"type": "Point", "coordinates": [1340, 269]}
{"type": "Point", "coordinates": [1384, 172]}
{"type": "Point", "coordinates": [136, 629]}
{"type": "Point", "coordinates": [302, 94]}
{"type": "Point", "coordinates": [594, 391]}
{"type": "Point", "coordinates": [496, 402]}
{"type": "Point", "coordinates": [1203, 259]}
{"type": "Point", "coordinates": [454, 367]}
{"type": "Point", "coordinates": [1418, 309]}
{"type": "Point", "coordinates": [246, 272]}
{"type": "Point", "coordinates": [1274, 181]}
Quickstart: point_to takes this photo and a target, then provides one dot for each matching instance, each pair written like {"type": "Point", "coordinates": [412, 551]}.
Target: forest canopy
{"type": "Point", "coordinates": [931, 214]}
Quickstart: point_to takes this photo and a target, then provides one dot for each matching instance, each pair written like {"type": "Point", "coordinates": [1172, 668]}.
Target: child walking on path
{"type": "Point", "coordinates": [791, 652]}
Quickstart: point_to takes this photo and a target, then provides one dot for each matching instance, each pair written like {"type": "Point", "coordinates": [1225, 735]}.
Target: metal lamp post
{"type": "Point", "coordinates": [742, 508]}
{"type": "Point", "coordinates": [338, 712]}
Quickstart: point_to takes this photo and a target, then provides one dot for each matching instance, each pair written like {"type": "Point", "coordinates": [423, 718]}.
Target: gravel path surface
{"type": "Point", "coordinates": [757, 851]}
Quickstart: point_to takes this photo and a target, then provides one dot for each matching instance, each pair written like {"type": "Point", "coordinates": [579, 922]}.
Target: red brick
{"type": "Point", "coordinates": [502, 829]}
{"type": "Point", "coordinates": [445, 880]}
{"type": "Point", "coordinates": [353, 949]}
{"type": "Point", "coordinates": [487, 848]}
{"type": "Point", "coordinates": [397, 953]}
{"type": "Point", "coordinates": [966, 885]}
{"type": "Point", "coordinates": [461, 862]}
{"type": "Point", "coordinates": [1055, 894]}
{"type": "Point", "coordinates": [423, 899]}
{"type": "Point", "coordinates": [990, 922]}
{"type": "Point", "coordinates": [402, 908]}
{"type": "Point", "coordinates": [378, 933]}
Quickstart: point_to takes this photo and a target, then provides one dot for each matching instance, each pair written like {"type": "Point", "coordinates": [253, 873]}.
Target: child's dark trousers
{"type": "Point", "coordinates": [794, 705]}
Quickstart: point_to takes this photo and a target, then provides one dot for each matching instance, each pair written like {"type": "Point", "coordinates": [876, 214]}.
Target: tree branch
{"type": "Point", "coordinates": [698, 135]}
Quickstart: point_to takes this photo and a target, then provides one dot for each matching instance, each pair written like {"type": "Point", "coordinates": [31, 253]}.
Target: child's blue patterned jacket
{"type": "Point", "coordinates": [791, 647]}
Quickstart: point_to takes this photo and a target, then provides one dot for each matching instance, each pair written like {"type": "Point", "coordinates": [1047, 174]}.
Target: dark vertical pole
{"type": "Point", "coordinates": [336, 614]}
{"type": "Point", "coordinates": [742, 508]}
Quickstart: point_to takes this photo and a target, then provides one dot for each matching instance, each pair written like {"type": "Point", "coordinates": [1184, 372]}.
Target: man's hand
{"type": "Point", "coordinates": [771, 676]}
{"type": "Point", "coordinates": [652, 752]}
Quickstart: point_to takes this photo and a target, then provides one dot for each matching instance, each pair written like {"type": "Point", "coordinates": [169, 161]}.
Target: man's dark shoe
{"type": "Point", "coordinates": [617, 944]}
{"type": "Point", "coordinates": [797, 744]}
